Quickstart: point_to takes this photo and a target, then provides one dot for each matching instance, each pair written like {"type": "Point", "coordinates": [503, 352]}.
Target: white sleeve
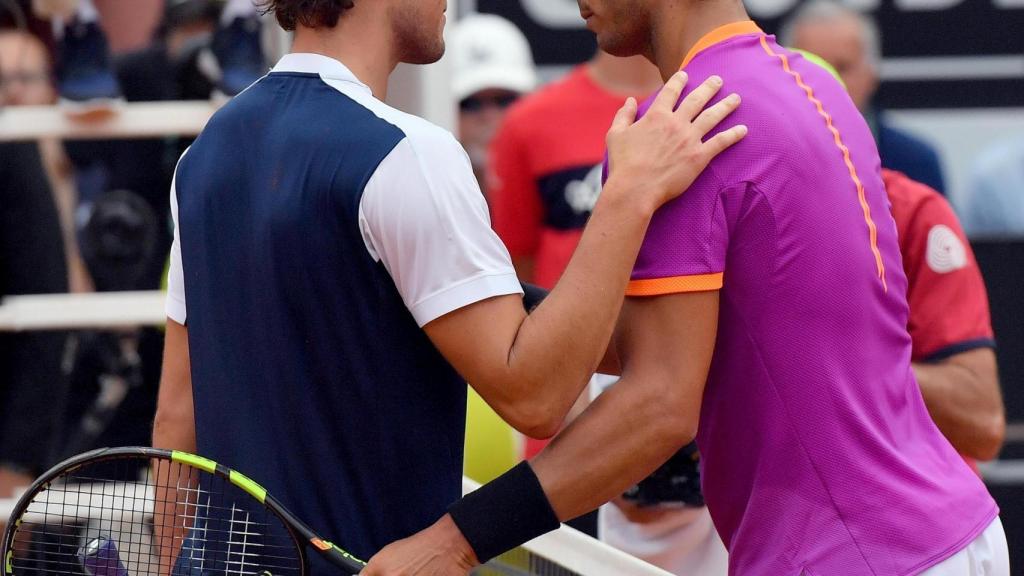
{"type": "Point", "coordinates": [423, 216]}
{"type": "Point", "coordinates": [175, 306]}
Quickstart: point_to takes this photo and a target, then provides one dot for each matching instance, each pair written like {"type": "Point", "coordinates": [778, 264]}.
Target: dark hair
{"type": "Point", "coordinates": [308, 13]}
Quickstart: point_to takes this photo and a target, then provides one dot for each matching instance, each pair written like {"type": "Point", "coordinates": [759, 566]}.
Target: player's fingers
{"type": "Point", "coordinates": [723, 140]}
{"type": "Point", "coordinates": [695, 101]}
{"type": "Point", "coordinates": [670, 93]}
{"type": "Point", "coordinates": [711, 117]}
{"type": "Point", "coordinates": [626, 115]}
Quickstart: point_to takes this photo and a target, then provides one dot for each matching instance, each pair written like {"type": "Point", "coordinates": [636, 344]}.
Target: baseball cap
{"type": "Point", "coordinates": [490, 52]}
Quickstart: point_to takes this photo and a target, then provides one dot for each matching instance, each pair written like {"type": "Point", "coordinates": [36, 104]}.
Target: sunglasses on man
{"type": "Point", "coordinates": [478, 103]}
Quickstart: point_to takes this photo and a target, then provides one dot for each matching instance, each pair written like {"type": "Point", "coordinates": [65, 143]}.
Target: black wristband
{"type": "Point", "coordinates": [504, 513]}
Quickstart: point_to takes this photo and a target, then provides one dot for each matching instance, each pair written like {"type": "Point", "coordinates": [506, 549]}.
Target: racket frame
{"type": "Point", "coordinates": [303, 535]}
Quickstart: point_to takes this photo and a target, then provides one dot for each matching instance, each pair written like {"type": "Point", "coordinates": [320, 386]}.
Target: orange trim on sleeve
{"type": "Point", "coordinates": [861, 196]}
{"type": "Point", "coordinates": [675, 285]}
{"type": "Point", "coordinates": [721, 34]}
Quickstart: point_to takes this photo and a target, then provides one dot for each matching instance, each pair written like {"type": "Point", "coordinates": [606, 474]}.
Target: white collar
{"type": "Point", "coordinates": [325, 66]}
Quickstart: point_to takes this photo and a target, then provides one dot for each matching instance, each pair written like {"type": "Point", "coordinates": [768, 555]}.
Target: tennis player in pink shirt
{"type": "Point", "coordinates": [767, 316]}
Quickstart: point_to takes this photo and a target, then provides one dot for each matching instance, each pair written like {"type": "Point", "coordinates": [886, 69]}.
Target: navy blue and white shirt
{"type": "Point", "coordinates": [316, 231]}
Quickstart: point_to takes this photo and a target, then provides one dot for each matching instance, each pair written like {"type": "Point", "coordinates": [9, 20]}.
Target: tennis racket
{"type": "Point", "coordinates": [151, 512]}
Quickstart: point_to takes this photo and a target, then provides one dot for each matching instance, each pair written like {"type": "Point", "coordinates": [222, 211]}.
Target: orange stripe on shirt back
{"type": "Point", "coordinates": [872, 229]}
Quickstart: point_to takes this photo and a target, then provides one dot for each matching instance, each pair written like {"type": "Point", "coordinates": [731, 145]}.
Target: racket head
{"type": "Point", "coordinates": [148, 512]}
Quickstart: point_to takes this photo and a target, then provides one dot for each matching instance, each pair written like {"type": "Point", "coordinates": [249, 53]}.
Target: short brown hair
{"type": "Point", "coordinates": [308, 13]}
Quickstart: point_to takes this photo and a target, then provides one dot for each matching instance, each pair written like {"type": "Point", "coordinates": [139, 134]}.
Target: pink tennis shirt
{"type": "Point", "coordinates": [819, 455]}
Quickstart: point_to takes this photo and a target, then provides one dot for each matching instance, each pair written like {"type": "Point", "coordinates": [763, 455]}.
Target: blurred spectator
{"type": "Point", "coordinates": [202, 47]}
{"type": "Point", "coordinates": [84, 72]}
{"type": "Point", "coordinates": [493, 67]}
{"type": "Point", "coordinates": [18, 15]}
{"type": "Point", "coordinates": [26, 79]}
{"type": "Point", "coordinates": [545, 173]}
{"type": "Point", "coordinates": [851, 43]}
{"type": "Point", "coordinates": [24, 70]}
{"type": "Point", "coordinates": [544, 180]}
{"type": "Point", "coordinates": [236, 46]}
{"type": "Point", "coordinates": [221, 38]}
{"type": "Point", "coordinates": [130, 26]}
{"type": "Point", "coordinates": [953, 353]}
{"type": "Point", "coordinates": [994, 205]}
{"type": "Point", "coordinates": [183, 63]}
{"type": "Point", "coordinates": [32, 388]}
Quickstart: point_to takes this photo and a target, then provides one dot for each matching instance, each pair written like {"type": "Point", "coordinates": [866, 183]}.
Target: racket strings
{"type": "Point", "coordinates": [101, 520]}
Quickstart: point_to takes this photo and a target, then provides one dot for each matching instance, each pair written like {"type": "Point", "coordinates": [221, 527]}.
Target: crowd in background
{"type": "Point", "coordinates": [93, 215]}
{"type": "Point", "coordinates": [84, 216]}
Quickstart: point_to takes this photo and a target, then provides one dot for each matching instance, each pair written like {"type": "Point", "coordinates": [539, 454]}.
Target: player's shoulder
{"type": "Point", "coordinates": [420, 136]}
{"type": "Point", "coordinates": [433, 146]}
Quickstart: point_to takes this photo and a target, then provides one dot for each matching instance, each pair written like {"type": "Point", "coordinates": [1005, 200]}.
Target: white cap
{"type": "Point", "coordinates": [490, 52]}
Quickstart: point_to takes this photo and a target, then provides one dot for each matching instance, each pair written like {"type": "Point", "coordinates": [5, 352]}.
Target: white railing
{"type": "Point", "coordinates": [122, 121]}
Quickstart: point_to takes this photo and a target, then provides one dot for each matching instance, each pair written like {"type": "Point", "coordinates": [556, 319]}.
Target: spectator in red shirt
{"type": "Point", "coordinates": [953, 346]}
{"type": "Point", "coordinates": [545, 170]}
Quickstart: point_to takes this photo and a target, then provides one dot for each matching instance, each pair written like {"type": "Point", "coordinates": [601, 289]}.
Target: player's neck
{"type": "Point", "coordinates": [633, 76]}
{"type": "Point", "coordinates": [677, 30]}
{"type": "Point", "coordinates": [364, 50]}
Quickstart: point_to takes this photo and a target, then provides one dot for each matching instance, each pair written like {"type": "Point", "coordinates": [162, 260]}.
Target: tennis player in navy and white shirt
{"type": "Point", "coordinates": [391, 201]}
{"type": "Point", "coordinates": [335, 281]}
{"type": "Point", "coordinates": [437, 245]}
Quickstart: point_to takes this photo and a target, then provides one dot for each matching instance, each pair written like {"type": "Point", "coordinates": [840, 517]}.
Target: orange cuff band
{"type": "Point", "coordinates": [675, 285]}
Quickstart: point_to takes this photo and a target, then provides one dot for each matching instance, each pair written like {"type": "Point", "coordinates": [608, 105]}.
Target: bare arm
{"type": "Point", "coordinates": [963, 397]}
{"type": "Point", "coordinates": [666, 344]}
{"type": "Point", "coordinates": [175, 425]}
{"type": "Point", "coordinates": [531, 368]}
{"type": "Point", "coordinates": [173, 429]}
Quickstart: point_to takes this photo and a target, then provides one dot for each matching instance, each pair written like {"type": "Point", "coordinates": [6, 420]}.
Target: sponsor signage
{"type": "Point", "coordinates": [937, 53]}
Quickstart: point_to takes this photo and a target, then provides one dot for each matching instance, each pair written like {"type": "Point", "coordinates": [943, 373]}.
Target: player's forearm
{"type": "Point", "coordinates": [174, 427]}
{"type": "Point", "coordinates": [622, 437]}
{"type": "Point", "coordinates": [561, 343]}
{"type": "Point", "coordinates": [962, 395]}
